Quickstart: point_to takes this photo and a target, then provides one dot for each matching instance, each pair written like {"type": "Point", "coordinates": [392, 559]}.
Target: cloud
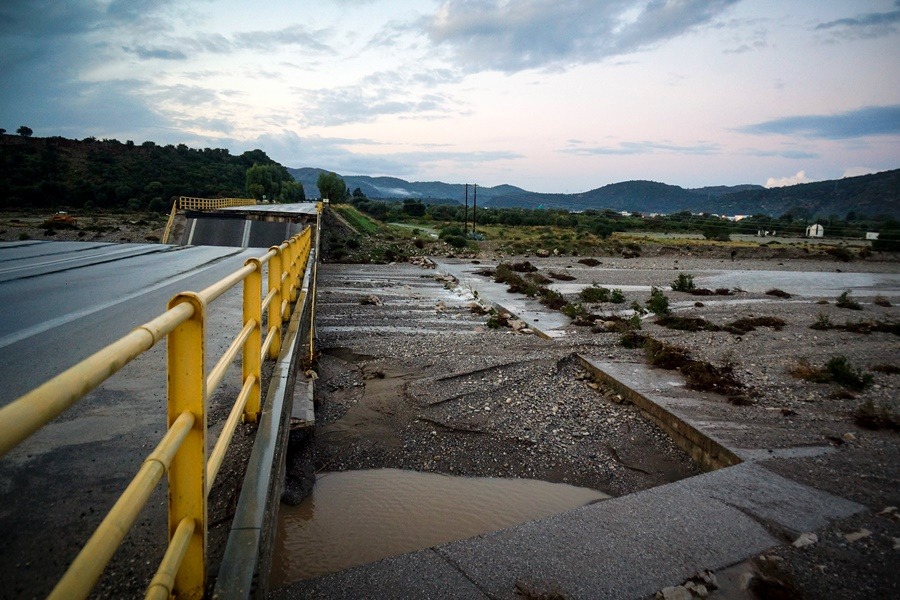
{"type": "Point", "coordinates": [865, 26]}
{"type": "Point", "coordinates": [407, 93]}
{"type": "Point", "coordinates": [552, 34]}
{"type": "Point", "coordinates": [338, 155]}
{"type": "Point", "coordinates": [787, 153]}
{"type": "Point", "coordinates": [863, 122]}
{"type": "Point", "coordinates": [646, 147]}
{"type": "Point", "coordinates": [800, 177]}
{"type": "Point", "coordinates": [161, 53]}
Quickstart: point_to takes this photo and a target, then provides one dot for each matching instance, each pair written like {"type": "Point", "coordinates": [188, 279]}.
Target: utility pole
{"type": "Point", "coordinates": [474, 207]}
{"type": "Point", "coordinates": [466, 214]}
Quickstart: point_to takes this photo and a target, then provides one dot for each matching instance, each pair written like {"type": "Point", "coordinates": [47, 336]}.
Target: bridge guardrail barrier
{"type": "Point", "coordinates": [182, 452]}
{"type": "Point", "coordinates": [188, 203]}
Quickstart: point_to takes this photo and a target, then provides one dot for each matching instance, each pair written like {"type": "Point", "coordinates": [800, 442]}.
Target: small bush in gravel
{"type": "Point", "coordinates": [561, 276]}
{"type": "Point", "coordinates": [633, 339]}
{"type": "Point", "coordinates": [524, 267]}
{"type": "Point", "coordinates": [882, 301]}
{"type": "Point", "coordinates": [595, 294]}
{"type": "Point", "coordinates": [845, 301]}
{"type": "Point", "coordinates": [837, 370]}
{"type": "Point", "coordinates": [777, 293]}
{"type": "Point", "coordinates": [822, 323]}
{"type": "Point", "coordinates": [804, 370]}
{"type": "Point", "coordinates": [537, 278]}
{"type": "Point", "coordinates": [616, 296]}
{"type": "Point", "coordinates": [658, 303]}
{"type": "Point", "coordinates": [24, 236]}
{"type": "Point", "coordinates": [842, 372]}
{"type": "Point", "coordinates": [840, 253]}
{"type": "Point", "coordinates": [552, 298]}
{"type": "Point", "coordinates": [574, 310]}
{"type": "Point", "coordinates": [748, 324]}
{"type": "Point", "coordinates": [686, 323]}
{"type": "Point", "coordinates": [683, 283]}
{"type": "Point", "coordinates": [638, 308]}
{"type": "Point", "coordinates": [876, 416]}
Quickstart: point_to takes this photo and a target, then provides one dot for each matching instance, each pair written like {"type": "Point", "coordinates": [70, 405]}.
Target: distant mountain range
{"type": "Point", "coordinates": [871, 195]}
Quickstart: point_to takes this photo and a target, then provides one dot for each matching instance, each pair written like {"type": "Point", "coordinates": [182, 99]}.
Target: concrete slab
{"type": "Point", "coordinates": [420, 575]}
{"type": "Point", "coordinates": [547, 324]}
{"type": "Point", "coordinates": [624, 548]}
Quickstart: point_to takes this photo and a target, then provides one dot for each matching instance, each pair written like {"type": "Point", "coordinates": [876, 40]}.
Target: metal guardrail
{"type": "Point", "coordinates": [182, 451]}
{"type": "Point", "coordinates": [188, 203]}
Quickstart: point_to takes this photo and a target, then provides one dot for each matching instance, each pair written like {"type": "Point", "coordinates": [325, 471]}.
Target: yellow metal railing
{"type": "Point", "coordinates": [182, 451]}
{"type": "Point", "coordinates": [186, 203]}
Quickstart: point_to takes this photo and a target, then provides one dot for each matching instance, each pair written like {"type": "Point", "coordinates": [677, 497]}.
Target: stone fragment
{"type": "Point", "coordinates": [805, 539]}
{"type": "Point", "coordinates": [857, 535]}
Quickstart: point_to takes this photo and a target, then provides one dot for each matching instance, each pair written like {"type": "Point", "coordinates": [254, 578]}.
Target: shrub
{"type": "Point", "coordinates": [457, 241]}
{"type": "Point", "coordinates": [882, 301]}
{"type": "Point", "coordinates": [840, 253]}
{"type": "Point", "coordinates": [876, 416]}
{"type": "Point", "coordinates": [823, 323]}
{"type": "Point", "coordinates": [837, 370]}
{"type": "Point", "coordinates": [778, 293]}
{"type": "Point", "coordinates": [638, 308]}
{"type": "Point", "coordinates": [595, 294]}
{"type": "Point", "coordinates": [683, 283]}
{"type": "Point", "coordinates": [845, 301]}
{"type": "Point", "coordinates": [842, 372]}
{"type": "Point", "coordinates": [24, 236]}
{"type": "Point", "coordinates": [617, 297]}
{"type": "Point", "coordinates": [659, 302]}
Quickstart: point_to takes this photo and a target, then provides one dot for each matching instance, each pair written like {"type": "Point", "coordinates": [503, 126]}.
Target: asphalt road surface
{"type": "Point", "coordinates": [61, 302]}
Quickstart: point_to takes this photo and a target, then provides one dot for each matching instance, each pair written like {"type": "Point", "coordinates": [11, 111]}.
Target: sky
{"type": "Point", "coordinates": [549, 95]}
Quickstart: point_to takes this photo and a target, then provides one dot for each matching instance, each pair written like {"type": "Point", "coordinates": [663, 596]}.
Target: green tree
{"type": "Point", "coordinates": [264, 181]}
{"type": "Point", "coordinates": [24, 131]}
{"type": "Point", "coordinates": [331, 186]}
{"type": "Point", "coordinates": [292, 191]}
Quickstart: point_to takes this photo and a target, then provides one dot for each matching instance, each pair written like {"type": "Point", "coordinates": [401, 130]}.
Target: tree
{"type": "Point", "coordinates": [2, 131]}
{"type": "Point", "coordinates": [24, 131]}
{"type": "Point", "coordinates": [331, 186]}
{"type": "Point", "coordinates": [264, 181]}
{"type": "Point", "coordinates": [413, 208]}
{"type": "Point", "coordinates": [292, 191]}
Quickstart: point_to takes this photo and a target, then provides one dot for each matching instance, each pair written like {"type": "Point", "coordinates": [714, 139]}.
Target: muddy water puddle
{"type": "Point", "coordinates": [357, 517]}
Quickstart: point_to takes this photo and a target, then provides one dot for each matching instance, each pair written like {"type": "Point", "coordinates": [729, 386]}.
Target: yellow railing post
{"type": "Point", "coordinates": [252, 362]}
{"type": "Point", "coordinates": [187, 473]}
{"type": "Point", "coordinates": [286, 265]}
{"type": "Point", "coordinates": [274, 315]}
{"type": "Point", "coordinates": [295, 267]}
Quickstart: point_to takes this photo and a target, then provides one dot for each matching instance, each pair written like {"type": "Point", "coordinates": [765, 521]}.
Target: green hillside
{"type": "Point", "coordinates": [50, 172]}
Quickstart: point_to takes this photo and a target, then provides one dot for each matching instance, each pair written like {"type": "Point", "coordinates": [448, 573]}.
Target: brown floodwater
{"type": "Point", "coordinates": [357, 517]}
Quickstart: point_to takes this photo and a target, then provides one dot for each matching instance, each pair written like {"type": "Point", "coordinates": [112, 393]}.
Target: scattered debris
{"type": "Point", "coordinates": [371, 300]}
{"type": "Point", "coordinates": [857, 535]}
{"type": "Point", "coordinates": [805, 539]}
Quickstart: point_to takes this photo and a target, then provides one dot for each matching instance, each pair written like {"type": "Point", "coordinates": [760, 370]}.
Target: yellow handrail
{"type": "Point", "coordinates": [187, 203]}
{"type": "Point", "coordinates": [182, 451]}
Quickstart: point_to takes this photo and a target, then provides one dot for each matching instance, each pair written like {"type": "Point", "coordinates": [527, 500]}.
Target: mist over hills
{"type": "Point", "coordinates": [873, 195]}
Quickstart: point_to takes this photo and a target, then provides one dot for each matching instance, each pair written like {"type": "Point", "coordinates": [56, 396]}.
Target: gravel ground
{"type": "Point", "coordinates": [429, 387]}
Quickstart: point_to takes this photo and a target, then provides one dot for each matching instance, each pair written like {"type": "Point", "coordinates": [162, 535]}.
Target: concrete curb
{"type": "Point", "coordinates": [243, 571]}
{"type": "Point", "coordinates": [706, 451]}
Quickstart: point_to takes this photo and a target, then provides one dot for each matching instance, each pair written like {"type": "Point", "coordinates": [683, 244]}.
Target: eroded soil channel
{"type": "Point", "coordinates": [410, 378]}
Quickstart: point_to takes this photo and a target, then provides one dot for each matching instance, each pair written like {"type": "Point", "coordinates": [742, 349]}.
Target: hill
{"type": "Point", "coordinates": [54, 171]}
{"type": "Point", "coordinates": [873, 195]}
